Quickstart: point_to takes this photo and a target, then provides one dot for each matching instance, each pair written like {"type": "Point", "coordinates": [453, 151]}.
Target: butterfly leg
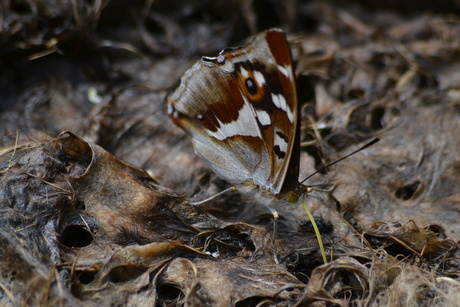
{"type": "Point", "coordinates": [276, 216]}
{"type": "Point", "coordinates": [196, 203]}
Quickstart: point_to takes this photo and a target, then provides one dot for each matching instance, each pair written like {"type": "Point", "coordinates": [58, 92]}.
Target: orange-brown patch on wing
{"type": "Point", "coordinates": [279, 48]}
{"type": "Point", "coordinates": [223, 111]}
{"type": "Point", "coordinates": [256, 96]}
{"type": "Point", "coordinates": [290, 93]}
{"type": "Point", "coordinates": [232, 53]}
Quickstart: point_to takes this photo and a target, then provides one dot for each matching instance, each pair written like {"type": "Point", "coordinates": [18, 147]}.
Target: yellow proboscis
{"type": "Point", "coordinates": [315, 227]}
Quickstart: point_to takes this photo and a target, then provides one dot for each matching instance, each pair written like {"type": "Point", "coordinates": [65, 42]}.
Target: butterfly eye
{"type": "Point", "coordinates": [251, 86]}
{"type": "Point", "coordinates": [200, 117]}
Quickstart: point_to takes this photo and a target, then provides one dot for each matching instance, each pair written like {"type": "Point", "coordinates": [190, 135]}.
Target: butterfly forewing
{"type": "Point", "coordinates": [241, 110]}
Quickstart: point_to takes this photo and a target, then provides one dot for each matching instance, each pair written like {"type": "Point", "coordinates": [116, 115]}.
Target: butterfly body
{"type": "Point", "coordinates": [242, 112]}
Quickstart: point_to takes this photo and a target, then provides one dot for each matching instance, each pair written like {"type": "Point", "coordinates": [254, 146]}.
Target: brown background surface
{"type": "Point", "coordinates": [80, 227]}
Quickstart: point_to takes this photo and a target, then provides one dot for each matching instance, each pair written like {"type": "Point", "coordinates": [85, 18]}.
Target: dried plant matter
{"type": "Point", "coordinates": [80, 227]}
{"type": "Point", "coordinates": [90, 227]}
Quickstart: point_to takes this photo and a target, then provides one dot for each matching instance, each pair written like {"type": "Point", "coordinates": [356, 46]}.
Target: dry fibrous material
{"type": "Point", "coordinates": [74, 215]}
{"type": "Point", "coordinates": [102, 215]}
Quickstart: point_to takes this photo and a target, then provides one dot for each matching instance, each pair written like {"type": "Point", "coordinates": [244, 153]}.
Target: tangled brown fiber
{"type": "Point", "coordinates": [96, 182]}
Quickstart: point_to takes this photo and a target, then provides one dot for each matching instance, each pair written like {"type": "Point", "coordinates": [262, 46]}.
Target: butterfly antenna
{"type": "Point", "coordinates": [343, 158]}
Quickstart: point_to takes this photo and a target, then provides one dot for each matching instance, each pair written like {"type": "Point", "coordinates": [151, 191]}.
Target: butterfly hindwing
{"type": "Point", "coordinates": [241, 110]}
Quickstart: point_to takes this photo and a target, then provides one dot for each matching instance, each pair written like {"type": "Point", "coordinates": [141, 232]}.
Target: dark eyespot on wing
{"type": "Point", "coordinates": [251, 86]}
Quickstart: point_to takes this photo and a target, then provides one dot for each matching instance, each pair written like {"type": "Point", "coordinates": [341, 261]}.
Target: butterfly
{"type": "Point", "coordinates": [242, 111]}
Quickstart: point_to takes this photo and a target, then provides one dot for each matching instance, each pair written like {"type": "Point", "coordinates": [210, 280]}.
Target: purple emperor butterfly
{"type": "Point", "coordinates": [241, 110]}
